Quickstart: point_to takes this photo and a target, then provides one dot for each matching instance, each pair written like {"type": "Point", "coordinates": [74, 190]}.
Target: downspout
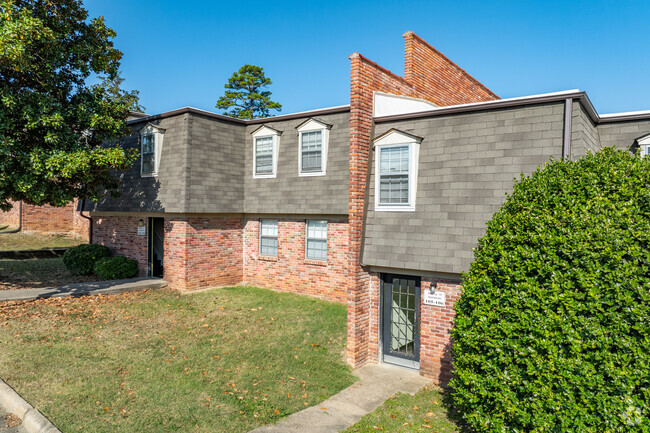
{"type": "Point", "coordinates": [20, 221]}
{"type": "Point", "coordinates": [90, 220]}
{"type": "Point", "coordinates": [566, 143]}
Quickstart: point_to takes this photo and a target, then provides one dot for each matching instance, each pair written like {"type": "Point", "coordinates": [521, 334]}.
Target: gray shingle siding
{"type": "Point", "coordinates": [206, 166]}
{"type": "Point", "coordinates": [216, 175]}
{"type": "Point", "coordinates": [622, 134]}
{"type": "Point", "coordinates": [289, 193]}
{"type": "Point", "coordinates": [467, 163]}
{"type": "Point", "coordinates": [584, 132]}
{"type": "Point", "coordinates": [165, 193]}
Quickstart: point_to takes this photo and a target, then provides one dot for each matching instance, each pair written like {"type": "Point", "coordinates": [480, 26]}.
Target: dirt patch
{"type": "Point", "coordinates": [12, 420]}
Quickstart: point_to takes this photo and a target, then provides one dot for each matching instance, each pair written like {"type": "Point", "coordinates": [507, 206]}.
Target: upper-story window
{"type": "Point", "coordinates": [151, 139]}
{"type": "Point", "coordinates": [396, 165]}
{"type": "Point", "coordinates": [266, 144]}
{"type": "Point", "coordinates": [644, 144]}
{"type": "Point", "coordinates": [312, 147]}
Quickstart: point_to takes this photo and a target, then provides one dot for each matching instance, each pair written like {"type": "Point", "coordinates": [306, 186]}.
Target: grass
{"type": "Point", "coordinates": [34, 273]}
{"type": "Point", "coordinates": [225, 360]}
{"type": "Point", "coordinates": [35, 241]}
{"type": "Point", "coordinates": [424, 411]}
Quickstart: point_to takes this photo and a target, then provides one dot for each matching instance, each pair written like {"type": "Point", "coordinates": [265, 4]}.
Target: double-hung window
{"type": "Point", "coordinates": [151, 141]}
{"type": "Point", "coordinates": [396, 171]}
{"type": "Point", "coordinates": [316, 244]}
{"type": "Point", "coordinates": [269, 238]}
{"type": "Point", "coordinates": [266, 144]}
{"type": "Point", "coordinates": [148, 153]}
{"type": "Point", "coordinates": [312, 147]}
{"type": "Point", "coordinates": [264, 155]}
{"type": "Point", "coordinates": [311, 151]}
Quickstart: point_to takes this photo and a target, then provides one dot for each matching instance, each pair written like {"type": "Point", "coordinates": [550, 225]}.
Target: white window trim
{"type": "Point", "coordinates": [313, 126]}
{"type": "Point", "coordinates": [158, 134]}
{"type": "Point", "coordinates": [265, 132]}
{"type": "Point", "coordinates": [645, 149]}
{"type": "Point", "coordinates": [644, 145]}
{"type": "Point", "coordinates": [397, 139]}
{"type": "Point", "coordinates": [327, 239]}
{"type": "Point", "coordinates": [277, 223]}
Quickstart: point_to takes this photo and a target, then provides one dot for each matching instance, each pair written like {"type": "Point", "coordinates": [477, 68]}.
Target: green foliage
{"type": "Point", "coordinates": [81, 259]}
{"type": "Point", "coordinates": [115, 268]}
{"type": "Point", "coordinates": [552, 330]}
{"type": "Point", "coordinates": [244, 97]}
{"type": "Point", "coordinates": [54, 125]}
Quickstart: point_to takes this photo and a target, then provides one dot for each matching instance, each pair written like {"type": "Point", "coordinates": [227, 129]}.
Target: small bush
{"type": "Point", "coordinates": [116, 268]}
{"type": "Point", "coordinates": [80, 259]}
{"type": "Point", "coordinates": [552, 331]}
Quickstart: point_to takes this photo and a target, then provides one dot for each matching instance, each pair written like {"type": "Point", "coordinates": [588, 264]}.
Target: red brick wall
{"type": "Point", "coordinates": [290, 271]}
{"type": "Point", "coordinates": [199, 252]}
{"type": "Point", "coordinates": [435, 328]}
{"type": "Point", "coordinates": [48, 219]}
{"type": "Point", "coordinates": [437, 78]}
{"type": "Point", "coordinates": [10, 217]}
{"type": "Point", "coordinates": [203, 252]}
{"type": "Point", "coordinates": [120, 234]}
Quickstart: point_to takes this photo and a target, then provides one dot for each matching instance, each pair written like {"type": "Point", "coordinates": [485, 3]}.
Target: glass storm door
{"type": "Point", "coordinates": [401, 319]}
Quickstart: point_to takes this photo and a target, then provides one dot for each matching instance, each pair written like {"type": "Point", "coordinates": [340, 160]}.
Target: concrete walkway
{"type": "Point", "coordinates": [377, 383]}
{"type": "Point", "coordinates": [84, 289]}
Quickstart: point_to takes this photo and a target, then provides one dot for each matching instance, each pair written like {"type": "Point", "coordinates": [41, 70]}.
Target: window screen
{"type": "Point", "coordinates": [317, 240]}
{"type": "Point", "coordinates": [269, 238]}
{"type": "Point", "coordinates": [394, 175]}
{"type": "Point", "coordinates": [311, 151]}
{"type": "Point", "coordinates": [148, 154]}
{"type": "Point", "coordinates": [264, 155]}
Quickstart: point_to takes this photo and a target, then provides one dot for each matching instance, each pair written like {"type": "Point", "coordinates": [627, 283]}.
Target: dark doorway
{"type": "Point", "coordinates": [156, 233]}
{"type": "Point", "coordinates": [401, 319]}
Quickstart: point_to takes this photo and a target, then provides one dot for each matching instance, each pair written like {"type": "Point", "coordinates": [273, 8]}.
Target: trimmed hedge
{"type": "Point", "coordinates": [552, 331]}
{"type": "Point", "coordinates": [80, 260]}
{"type": "Point", "coordinates": [116, 268]}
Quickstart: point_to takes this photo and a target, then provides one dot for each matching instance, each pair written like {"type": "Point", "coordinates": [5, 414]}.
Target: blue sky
{"type": "Point", "coordinates": [180, 53]}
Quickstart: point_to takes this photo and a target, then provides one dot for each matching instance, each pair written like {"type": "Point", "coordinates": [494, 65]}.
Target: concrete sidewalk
{"type": "Point", "coordinates": [377, 383]}
{"type": "Point", "coordinates": [84, 289]}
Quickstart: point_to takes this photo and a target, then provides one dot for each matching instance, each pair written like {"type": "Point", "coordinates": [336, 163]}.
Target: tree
{"type": "Point", "coordinates": [244, 97]}
{"type": "Point", "coordinates": [552, 330]}
{"type": "Point", "coordinates": [55, 126]}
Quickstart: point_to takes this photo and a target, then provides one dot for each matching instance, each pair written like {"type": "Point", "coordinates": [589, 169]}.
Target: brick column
{"type": "Point", "coordinates": [366, 77]}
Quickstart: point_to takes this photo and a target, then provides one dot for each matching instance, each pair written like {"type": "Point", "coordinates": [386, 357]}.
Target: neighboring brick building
{"type": "Point", "coordinates": [47, 219]}
{"type": "Point", "coordinates": [377, 204]}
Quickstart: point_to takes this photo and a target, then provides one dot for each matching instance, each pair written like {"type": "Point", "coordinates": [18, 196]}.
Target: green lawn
{"type": "Point", "coordinates": [404, 413]}
{"type": "Point", "coordinates": [35, 241]}
{"type": "Point", "coordinates": [33, 273]}
{"type": "Point", "coordinates": [225, 360]}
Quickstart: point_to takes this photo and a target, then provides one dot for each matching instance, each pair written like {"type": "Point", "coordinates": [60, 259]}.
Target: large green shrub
{"type": "Point", "coordinates": [115, 268]}
{"type": "Point", "coordinates": [552, 330]}
{"type": "Point", "coordinates": [80, 259]}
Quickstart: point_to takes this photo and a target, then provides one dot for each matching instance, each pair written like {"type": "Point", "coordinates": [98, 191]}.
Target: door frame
{"type": "Point", "coordinates": [385, 305]}
{"type": "Point", "coordinates": [150, 240]}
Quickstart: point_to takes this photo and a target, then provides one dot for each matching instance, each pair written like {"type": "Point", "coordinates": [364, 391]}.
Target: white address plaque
{"type": "Point", "coordinates": [436, 298]}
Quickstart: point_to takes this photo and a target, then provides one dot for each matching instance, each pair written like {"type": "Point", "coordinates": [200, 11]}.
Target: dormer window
{"type": "Point", "coordinates": [151, 137]}
{"type": "Point", "coordinates": [312, 147]}
{"type": "Point", "coordinates": [266, 143]}
{"type": "Point", "coordinates": [396, 171]}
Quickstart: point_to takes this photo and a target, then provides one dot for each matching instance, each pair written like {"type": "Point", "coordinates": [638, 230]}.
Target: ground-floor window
{"type": "Point", "coordinates": [316, 244]}
{"type": "Point", "coordinates": [269, 238]}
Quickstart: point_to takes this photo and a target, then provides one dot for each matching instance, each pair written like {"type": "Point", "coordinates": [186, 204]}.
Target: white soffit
{"type": "Point", "coordinates": [392, 105]}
